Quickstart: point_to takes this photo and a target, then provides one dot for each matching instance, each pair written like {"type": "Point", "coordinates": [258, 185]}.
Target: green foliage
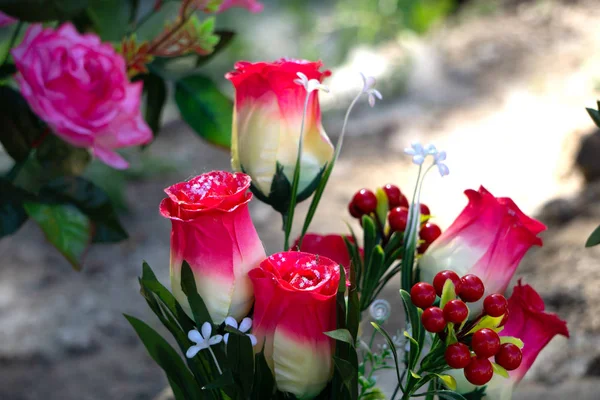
{"type": "Point", "coordinates": [156, 97]}
{"type": "Point", "coordinates": [110, 18]}
{"type": "Point", "coordinates": [67, 228]}
{"type": "Point", "coordinates": [12, 211]}
{"type": "Point", "coordinates": [205, 109]}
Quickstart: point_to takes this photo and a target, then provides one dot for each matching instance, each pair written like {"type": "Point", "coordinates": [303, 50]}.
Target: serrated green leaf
{"type": "Point", "coordinates": [205, 109]}
{"type": "Point", "coordinates": [343, 335]}
{"type": "Point", "coordinates": [498, 370]}
{"type": "Point", "coordinates": [42, 10]}
{"type": "Point", "coordinates": [188, 286]}
{"type": "Point", "coordinates": [167, 358]}
{"type": "Point", "coordinates": [510, 339]}
{"type": "Point", "coordinates": [594, 238]}
{"type": "Point", "coordinates": [65, 227]}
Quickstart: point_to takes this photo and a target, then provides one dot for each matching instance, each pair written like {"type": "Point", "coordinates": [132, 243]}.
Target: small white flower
{"type": "Point", "coordinates": [310, 85]}
{"type": "Point", "coordinates": [442, 167]}
{"type": "Point", "coordinates": [420, 152]}
{"type": "Point", "coordinates": [244, 327]}
{"type": "Point", "coordinates": [369, 89]}
{"type": "Point", "coordinates": [203, 340]}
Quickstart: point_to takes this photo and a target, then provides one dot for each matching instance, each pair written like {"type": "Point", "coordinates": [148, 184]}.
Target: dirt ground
{"type": "Point", "coordinates": [503, 92]}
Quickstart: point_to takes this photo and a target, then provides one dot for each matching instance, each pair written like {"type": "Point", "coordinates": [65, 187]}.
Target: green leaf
{"type": "Point", "coordinates": [241, 360]}
{"type": "Point", "coordinates": [418, 333]}
{"type": "Point", "coordinates": [448, 381]}
{"type": "Point", "coordinates": [58, 158]}
{"type": "Point", "coordinates": [392, 347]}
{"type": "Point", "coordinates": [477, 394]}
{"type": "Point", "coordinates": [382, 206]}
{"type": "Point", "coordinates": [509, 339]}
{"type": "Point", "coordinates": [167, 358]}
{"type": "Point", "coordinates": [205, 109]}
{"type": "Point", "coordinates": [347, 372]}
{"type": "Point", "coordinates": [343, 335]}
{"type": "Point", "coordinates": [595, 115]}
{"type": "Point", "coordinates": [42, 10]}
{"type": "Point", "coordinates": [225, 38]}
{"type": "Point", "coordinates": [12, 212]}
{"type": "Point", "coordinates": [594, 238]}
{"type": "Point", "coordinates": [89, 199]}
{"type": "Point", "coordinates": [110, 18]}
{"type": "Point", "coordinates": [20, 126]}
{"type": "Point", "coordinates": [498, 370]}
{"type": "Point", "coordinates": [264, 383]}
{"type": "Point", "coordinates": [415, 375]}
{"type": "Point", "coordinates": [224, 380]}
{"type": "Point", "coordinates": [6, 70]}
{"type": "Point", "coordinates": [448, 293]}
{"type": "Point", "coordinates": [156, 96]}
{"type": "Point", "coordinates": [449, 395]}
{"type": "Point", "coordinates": [487, 322]}
{"type": "Point", "coordinates": [65, 227]}
{"type": "Point", "coordinates": [188, 285]}
{"type": "Point", "coordinates": [369, 236]}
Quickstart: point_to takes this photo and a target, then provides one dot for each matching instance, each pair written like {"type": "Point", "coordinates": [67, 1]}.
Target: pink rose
{"type": "Point", "coordinates": [213, 232]}
{"type": "Point", "coordinates": [251, 5]}
{"type": "Point", "coordinates": [266, 128]}
{"type": "Point", "coordinates": [6, 20]}
{"type": "Point", "coordinates": [79, 87]}
{"type": "Point", "coordinates": [295, 303]}
{"type": "Point", "coordinates": [489, 239]}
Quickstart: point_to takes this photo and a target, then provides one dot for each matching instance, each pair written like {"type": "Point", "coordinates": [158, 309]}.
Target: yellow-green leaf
{"type": "Point", "coordinates": [448, 381]}
{"type": "Point", "coordinates": [488, 322]}
{"type": "Point", "coordinates": [448, 293]}
{"type": "Point", "coordinates": [498, 370]}
{"type": "Point", "coordinates": [510, 339]}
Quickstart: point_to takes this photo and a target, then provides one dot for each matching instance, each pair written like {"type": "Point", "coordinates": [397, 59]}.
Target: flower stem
{"type": "Point", "coordinates": [289, 219]}
{"type": "Point", "coordinates": [325, 178]}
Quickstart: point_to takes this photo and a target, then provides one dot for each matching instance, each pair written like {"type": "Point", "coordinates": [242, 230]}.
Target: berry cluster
{"type": "Point", "coordinates": [484, 343]}
{"type": "Point", "coordinates": [364, 202]}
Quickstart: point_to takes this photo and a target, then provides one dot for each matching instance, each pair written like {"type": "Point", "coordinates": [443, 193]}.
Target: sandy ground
{"type": "Point", "coordinates": [504, 94]}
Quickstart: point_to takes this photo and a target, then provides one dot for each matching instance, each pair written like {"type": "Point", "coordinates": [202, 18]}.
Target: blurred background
{"type": "Point", "coordinates": [501, 85]}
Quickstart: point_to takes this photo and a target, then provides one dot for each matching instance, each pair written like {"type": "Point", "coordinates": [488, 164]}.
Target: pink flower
{"type": "Point", "coordinates": [79, 87]}
{"type": "Point", "coordinates": [295, 303]}
{"type": "Point", "coordinates": [330, 246]}
{"type": "Point", "coordinates": [213, 232]}
{"type": "Point", "coordinates": [489, 239]}
{"type": "Point", "coordinates": [6, 20]}
{"type": "Point", "coordinates": [251, 5]}
{"type": "Point", "coordinates": [266, 128]}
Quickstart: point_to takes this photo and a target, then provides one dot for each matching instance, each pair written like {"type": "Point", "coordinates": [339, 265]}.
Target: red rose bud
{"type": "Point", "coordinates": [295, 303]}
{"type": "Point", "coordinates": [489, 239]}
{"type": "Point", "coordinates": [266, 128]}
{"type": "Point", "coordinates": [213, 232]}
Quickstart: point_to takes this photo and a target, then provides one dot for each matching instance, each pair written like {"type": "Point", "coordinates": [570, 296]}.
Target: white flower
{"type": "Point", "coordinates": [203, 340]}
{"type": "Point", "coordinates": [420, 152]}
{"type": "Point", "coordinates": [443, 168]}
{"type": "Point", "coordinates": [310, 85]}
{"type": "Point", "coordinates": [244, 327]}
{"type": "Point", "coordinates": [369, 89]}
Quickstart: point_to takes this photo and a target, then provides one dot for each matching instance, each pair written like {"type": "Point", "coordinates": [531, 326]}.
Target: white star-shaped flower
{"type": "Point", "coordinates": [420, 152]}
{"type": "Point", "coordinates": [310, 85]}
{"type": "Point", "coordinates": [369, 89]}
{"type": "Point", "coordinates": [203, 340]}
{"type": "Point", "coordinates": [244, 327]}
{"type": "Point", "coordinates": [442, 167]}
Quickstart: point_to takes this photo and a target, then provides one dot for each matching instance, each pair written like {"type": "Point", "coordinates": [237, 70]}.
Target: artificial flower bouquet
{"type": "Point", "coordinates": [291, 324]}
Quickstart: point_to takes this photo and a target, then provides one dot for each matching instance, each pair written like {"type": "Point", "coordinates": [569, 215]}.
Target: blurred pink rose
{"type": "Point", "coordinates": [79, 87]}
{"type": "Point", "coordinates": [251, 5]}
{"type": "Point", "coordinates": [6, 20]}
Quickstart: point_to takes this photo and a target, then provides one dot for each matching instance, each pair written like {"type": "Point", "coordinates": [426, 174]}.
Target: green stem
{"type": "Point", "coordinates": [325, 178]}
{"type": "Point", "coordinates": [407, 257]}
{"type": "Point", "coordinates": [289, 220]}
{"type": "Point", "coordinates": [11, 43]}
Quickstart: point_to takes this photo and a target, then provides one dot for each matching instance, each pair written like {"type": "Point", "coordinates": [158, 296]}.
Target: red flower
{"type": "Point", "coordinates": [295, 303]}
{"type": "Point", "coordinates": [330, 246]}
{"type": "Point", "coordinates": [489, 239]}
{"type": "Point", "coordinates": [213, 232]}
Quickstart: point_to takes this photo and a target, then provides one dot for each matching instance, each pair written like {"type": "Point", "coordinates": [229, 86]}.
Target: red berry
{"type": "Point", "coordinates": [365, 201]}
{"type": "Point", "coordinates": [422, 295]}
{"type": "Point", "coordinates": [471, 288]}
{"type": "Point", "coordinates": [425, 210]}
{"type": "Point", "coordinates": [457, 355]}
{"type": "Point", "coordinates": [433, 320]}
{"type": "Point", "coordinates": [393, 194]}
{"type": "Point", "coordinates": [456, 311]}
{"type": "Point", "coordinates": [398, 218]}
{"type": "Point", "coordinates": [441, 278]}
{"type": "Point", "coordinates": [354, 211]}
{"type": "Point", "coordinates": [495, 305]}
{"type": "Point", "coordinates": [479, 371]}
{"type": "Point", "coordinates": [509, 356]}
{"type": "Point", "coordinates": [404, 202]}
{"type": "Point", "coordinates": [485, 343]}
{"type": "Point", "coordinates": [429, 232]}
{"type": "Point", "coordinates": [503, 322]}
